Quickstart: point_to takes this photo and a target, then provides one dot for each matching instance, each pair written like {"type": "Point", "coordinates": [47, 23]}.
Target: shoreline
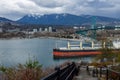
{"type": "Point", "coordinates": [18, 38]}
{"type": "Point", "coordinates": [84, 39]}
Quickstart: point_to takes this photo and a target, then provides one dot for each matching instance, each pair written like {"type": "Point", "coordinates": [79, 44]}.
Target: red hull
{"type": "Point", "coordinates": [59, 53]}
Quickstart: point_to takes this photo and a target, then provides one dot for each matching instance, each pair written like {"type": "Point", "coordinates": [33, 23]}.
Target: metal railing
{"type": "Point", "coordinates": [66, 73]}
{"type": "Point", "coordinates": [107, 72]}
{"type": "Point", "coordinates": [113, 75]}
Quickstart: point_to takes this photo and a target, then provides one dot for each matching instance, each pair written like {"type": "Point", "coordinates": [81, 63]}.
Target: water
{"type": "Point", "coordinates": [16, 51]}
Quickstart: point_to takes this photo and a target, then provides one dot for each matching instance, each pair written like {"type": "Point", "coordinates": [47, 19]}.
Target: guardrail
{"type": "Point", "coordinates": [66, 73]}
{"type": "Point", "coordinates": [113, 75]}
{"type": "Point", "coordinates": [108, 73]}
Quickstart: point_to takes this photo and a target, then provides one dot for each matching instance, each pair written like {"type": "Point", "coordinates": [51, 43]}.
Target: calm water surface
{"type": "Point", "coordinates": [17, 51]}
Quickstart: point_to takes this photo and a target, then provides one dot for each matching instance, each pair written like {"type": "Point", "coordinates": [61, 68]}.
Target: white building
{"type": "Point", "coordinates": [1, 30]}
{"type": "Point", "coordinates": [34, 30]}
{"type": "Point", "coordinates": [117, 27]}
{"type": "Point", "coordinates": [40, 29]}
{"type": "Point", "coordinates": [75, 27]}
{"type": "Point", "coordinates": [46, 30]}
{"type": "Point", "coordinates": [100, 28]}
{"type": "Point", "coordinates": [103, 27]}
{"type": "Point", "coordinates": [13, 30]}
{"type": "Point", "coordinates": [50, 29]}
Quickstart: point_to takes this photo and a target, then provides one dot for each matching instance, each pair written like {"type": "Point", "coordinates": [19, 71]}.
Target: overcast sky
{"type": "Point", "coordinates": [15, 9]}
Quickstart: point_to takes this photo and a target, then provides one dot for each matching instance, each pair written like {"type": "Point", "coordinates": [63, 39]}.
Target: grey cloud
{"type": "Point", "coordinates": [15, 9]}
{"type": "Point", "coordinates": [49, 4]}
{"type": "Point", "coordinates": [100, 4]}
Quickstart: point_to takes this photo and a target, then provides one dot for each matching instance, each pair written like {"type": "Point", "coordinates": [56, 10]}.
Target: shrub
{"type": "Point", "coordinates": [29, 71]}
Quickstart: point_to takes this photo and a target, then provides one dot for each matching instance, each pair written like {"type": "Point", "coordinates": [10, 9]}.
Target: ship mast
{"type": "Point", "coordinates": [68, 46]}
{"type": "Point", "coordinates": [81, 45]}
{"type": "Point", "coordinates": [104, 44]}
{"type": "Point", "coordinates": [92, 44]}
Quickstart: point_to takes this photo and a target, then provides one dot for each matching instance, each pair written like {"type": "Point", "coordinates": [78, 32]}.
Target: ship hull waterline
{"type": "Point", "coordinates": [57, 53]}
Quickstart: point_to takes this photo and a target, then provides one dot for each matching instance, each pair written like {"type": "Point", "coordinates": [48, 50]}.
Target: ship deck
{"type": "Point", "coordinates": [78, 48]}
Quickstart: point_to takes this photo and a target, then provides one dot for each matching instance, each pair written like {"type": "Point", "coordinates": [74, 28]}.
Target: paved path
{"type": "Point", "coordinates": [83, 75]}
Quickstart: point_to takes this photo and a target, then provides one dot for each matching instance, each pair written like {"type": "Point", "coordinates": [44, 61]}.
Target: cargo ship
{"type": "Point", "coordinates": [79, 50]}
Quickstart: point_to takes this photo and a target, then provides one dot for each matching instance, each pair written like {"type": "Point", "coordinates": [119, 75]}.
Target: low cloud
{"type": "Point", "coordinates": [15, 9]}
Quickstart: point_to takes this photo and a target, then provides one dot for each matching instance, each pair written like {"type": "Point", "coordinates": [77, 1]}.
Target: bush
{"type": "Point", "coordinates": [29, 71]}
{"type": "Point", "coordinates": [102, 64]}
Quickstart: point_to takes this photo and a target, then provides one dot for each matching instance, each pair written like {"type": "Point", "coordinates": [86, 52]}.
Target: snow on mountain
{"type": "Point", "coordinates": [63, 19]}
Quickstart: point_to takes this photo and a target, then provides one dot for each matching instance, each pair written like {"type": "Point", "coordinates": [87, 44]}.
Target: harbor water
{"type": "Point", "coordinates": [15, 51]}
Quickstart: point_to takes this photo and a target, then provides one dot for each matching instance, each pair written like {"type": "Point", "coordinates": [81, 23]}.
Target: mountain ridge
{"type": "Point", "coordinates": [61, 19]}
{"type": "Point", "coordinates": [64, 19]}
{"type": "Point", "coordinates": [2, 19]}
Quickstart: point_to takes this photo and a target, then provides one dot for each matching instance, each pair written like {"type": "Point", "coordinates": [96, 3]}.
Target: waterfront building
{"type": "Point", "coordinates": [100, 28]}
{"type": "Point", "coordinates": [40, 29]}
{"type": "Point", "coordinates": [35, 30]}
{"type": "Point", "coordinates": [13, 30]}
{"type": "Point", "coordinates": [75, 27]}
{"type": "Point", "coordinates": [103, 27]}
{"type": "Point", "coordinates": [50, 29]}
{"type": "Point", "coordinates": [117, 27]}
{"type": "Point", "coordinates": [1, 30]}
{"type": "Point", "coordinates": [46, 30]}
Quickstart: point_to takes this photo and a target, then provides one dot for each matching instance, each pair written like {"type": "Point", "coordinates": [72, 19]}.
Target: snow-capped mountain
{"type": "Point", "coordinates": [63, 19]}
{"type": "Point", "coordinates": [2, 19]}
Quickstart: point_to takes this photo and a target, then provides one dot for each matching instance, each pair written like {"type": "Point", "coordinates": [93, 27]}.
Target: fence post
{"type": "Point", "coordinates": [68, 64]}
{"type": "Point", "coordinates": [96, 72]}
{"type": "Point", "coordinates": [87, 68]}
{"type": "Point", "coordinates": [93, 72]}
{"type": "Point", "coordinates": [107, 74]}
{"type": "Point", "coordinates": [100, 71]}
{"type": "Point", "coordinates": [58, 72]}
{"type": "Point", "coordinates": [77, 70]}
{"type": "Point", "coordinates": [73, 63]}
{"type": "Point", "coordinates": [119, 76]}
